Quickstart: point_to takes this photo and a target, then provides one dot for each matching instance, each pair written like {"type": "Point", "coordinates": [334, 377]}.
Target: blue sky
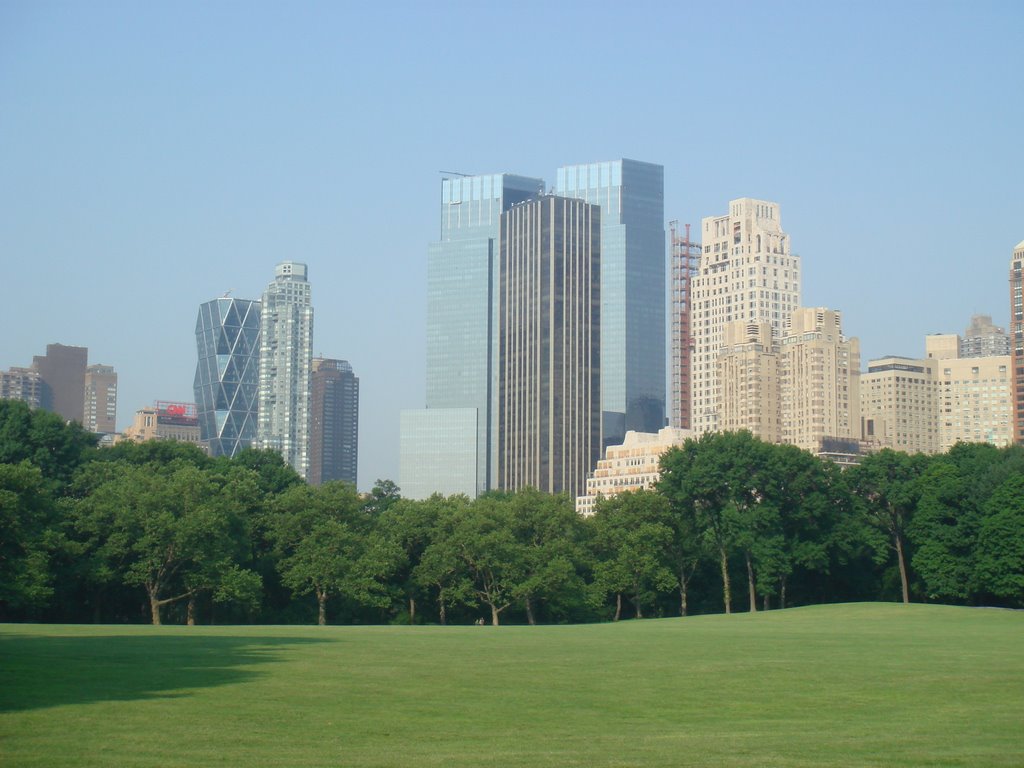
{"type": "Point", "coordinates": [154, 156]}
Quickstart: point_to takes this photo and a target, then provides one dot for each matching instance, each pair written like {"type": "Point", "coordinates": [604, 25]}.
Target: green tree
{"type": "Point", "coordinates": [174, 533]}
{"type": "Point", "coordinates": [322, 542]}
{"type": "Point", "coordinates": [441, 567]}
{"type": "Point", "coordinates": [631, 538]}
{"type": "Point", "coordinates": [494, 560]}
{"type": "Point", "coordinates": [26, 512]}
{"type": "Point", "coordinates": [43, 439]}
{"type": "Point", "coordinates": [886, 484]}
{"type": "Point", "coordinates": [999, 569]}
{"type": "Point", "coordinates": [944, 533]}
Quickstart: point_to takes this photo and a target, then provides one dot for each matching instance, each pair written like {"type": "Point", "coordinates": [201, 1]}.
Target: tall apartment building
{"type": "Point", "coordinates": [984, 339]}
{"type": "Point", "coordinates": [746, 272]}
{"type": "Point", "coordinates": [462, 347]}
{"type": "Point", "coordinates": [942, 346]}
{"type": "Point", "coordinates": [286, 353]}
{"type": "Point", "coordinates": [62, 372]}
{"type": "Point", "coordinates": [100, 405]}
{"type": "Point", "coordinates": [549, 327]}
{"type": "Point", "coordinates": [334, 422]}
{"type": "Point", "coordinates": [631, 196]}
{"type": "Point", "coordinates": [748, 375]}
{"type": "Point", "coordinates": [1017, 340]}
{"type": "Point", "coordinates": [227, 380]}
{"type": "Point", "coordinates": [635, 465]}
{"type": "Point", "coordinates": [899, 404]}
{"type": "Point", "coordinates": [820, 380]}
{"type": "Point", "coordinates": [975, 401]}
{"type": "Point", "coordinates": [22, 384]}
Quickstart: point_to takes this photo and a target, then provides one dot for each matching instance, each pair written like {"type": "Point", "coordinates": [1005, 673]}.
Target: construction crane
{"type": "Point", "coordinates": [685, 261]}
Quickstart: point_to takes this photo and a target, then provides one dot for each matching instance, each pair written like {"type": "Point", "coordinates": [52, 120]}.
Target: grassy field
{"type": "Point", "coordinates": [867, 685]}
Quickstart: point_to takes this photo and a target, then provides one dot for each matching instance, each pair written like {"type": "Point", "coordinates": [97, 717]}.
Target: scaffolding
{"type": "Point", "coordinates": [685, 260]}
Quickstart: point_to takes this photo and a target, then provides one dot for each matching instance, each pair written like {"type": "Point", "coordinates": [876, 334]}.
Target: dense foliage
{"type": "Point", "coordinates": [160, 532]}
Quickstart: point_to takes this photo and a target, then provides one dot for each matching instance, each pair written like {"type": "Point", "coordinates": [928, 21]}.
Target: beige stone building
{"type": "Point", "coordinates": [899, 399]}
{"type": "Point", "coordinates": [632, 466]}
{"type": "Point", "coordinates": [22, 384]}
{"type": "Point", "coordinates": [820, 380]}
{"type": "Point", "coordinates": [747, 273]}
{"type": "Point", "coordinates": [975, 400]}
{"type": "Point", "coordinates": [1017, 340]}
{"type": "Point", "coordinates": [748, 376]}
{"type": "Point", "coordinates": [165, 421]}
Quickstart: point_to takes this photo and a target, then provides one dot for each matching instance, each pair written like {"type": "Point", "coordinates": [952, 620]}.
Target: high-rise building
{"type": "Point", "coordinates": [62, 372]}
{"type": "Point", "coordinates": [286, 353]}
{"type": "Point", "coordinates": [899, 404]}
{"type": "Point", "coordinates": [942, 346]}
{"type": "Point", "coordinates": [100, 404]}
{"type": "Point", "coordinates": [974, 401]}
{"type": "Point", "coordinates": [22, 384]}
{"type": "Point", "coordinates": [984, 339]}
{"type": "Point", "coordinates": [820, 381]}
{"type": "Point", "coordinates": [549, 328]}
{"type": "Point", "coordinates": [746, 272]}
{"type": "Point", "coordinates": [334, 422]}
{"type": "Point", "coordinates": [748, 375]}
{"type": "Point", "coordinates": [461, 339]}
{"type": "Point", "coordinates": [1017, 340]}
{"type": "Point", "coordinates": [226, 383]}
{"type": "Point", "coordinates": [631, 196]}
{"type": "Point", "coordinates": [685, 260]}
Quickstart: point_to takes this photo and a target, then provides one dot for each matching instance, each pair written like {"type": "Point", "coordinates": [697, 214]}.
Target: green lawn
{"type": "Point", "coordinates": [867, 684]}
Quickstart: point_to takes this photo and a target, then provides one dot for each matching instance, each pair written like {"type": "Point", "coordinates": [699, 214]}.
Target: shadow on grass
{"type": "Point", "coordinates": [39, 671]}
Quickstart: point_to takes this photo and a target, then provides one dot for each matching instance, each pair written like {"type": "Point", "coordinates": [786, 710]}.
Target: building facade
{"type": "Point", "coordinates": [746, 272]}
{"type": "Point", "coordinates": [975, 400]}
{"type": "Point", "coordinates": [100, 405]}
{"type": "Point", "coordinates": [165, 421]}
{"type": "Point", "coordinates": [62, 373]}
{"type": "Point", "coordinates": [1017, 340]}
{"type": "Point", "coordinates": [631, 196]}
{"type": "Point", "coordinates": [22, 384]}
{"type": "Point", "coordinates": [549, 389]}
{"type": "Point", "coordinates": [226, 384]}
{"type": "Point", "coordinates": [462, 336]}
{"type": "Point", "coordinates": [286, 354]}
{"type": "Point", "coordinates": [334, 422]}
{"type": "Point", "coordinates": [438, 452]}
{"type": "Point", "coordinates": [820, 381]}
{"type": "Point", "coordinates": [899, 405]}
{"type": "Point", "coordinates": [984, 339]}
{"type": "Point", "coordinates": [633, 466]}
{"type": "Point", "coordinates": [748, 376]}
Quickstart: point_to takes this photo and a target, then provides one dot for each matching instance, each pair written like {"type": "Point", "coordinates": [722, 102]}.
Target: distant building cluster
{"type": "Point", "coordinates": [547, 353]}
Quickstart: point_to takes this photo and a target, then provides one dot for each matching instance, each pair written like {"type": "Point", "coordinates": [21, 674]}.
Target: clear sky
{"type": "Point", "coordinates": [156, 155]}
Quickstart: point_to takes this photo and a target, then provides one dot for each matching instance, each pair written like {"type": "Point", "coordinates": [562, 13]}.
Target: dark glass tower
{"type": "Point", "coordinates": [632, 199]}
{"type": "Point", "coordinates": [227, 376]}
{"type": "Point", "coordinates": [334, 422]}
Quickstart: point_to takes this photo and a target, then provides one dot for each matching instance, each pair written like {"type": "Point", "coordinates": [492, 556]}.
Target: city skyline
{"type": "Point", "coordinates": [174, 154]}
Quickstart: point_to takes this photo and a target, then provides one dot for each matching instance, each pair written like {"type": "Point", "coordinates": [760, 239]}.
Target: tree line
{"type": "Point", "coordinates": [160, 532]}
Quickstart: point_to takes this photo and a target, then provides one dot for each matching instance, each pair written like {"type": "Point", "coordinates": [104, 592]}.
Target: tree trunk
{"type": "Point", "coordinates": [190, 613]}
{"type": "Point", "coordinates": [750, 584]}
{"type": "Point", "coordinates": [530, 618]}
{"type": "Point", "coordinates": [321, 599]}
{"type": "Point", "coordinates": [903, 567]}
{"type": "Point", "coordinates": [765, 603]}
{"type": "Point", "coordinates": [636, 601]}
{"type": "Point", "coordinates": [444, 614]}
{"type": "Point", "coordinates": [494, 615]}
{"type": "Point", "coordinates": [682, 595]}
{"type": "Point", "coordinates": [154, 608]}
{"type": "Point", "coordinates": [412, 610]}
{"type": "Point", "coordinates": [782, 592]}
{"type": "Point", "coordinates": [618, 606]}
{"type": "Point", "coordinates": [726, 589]}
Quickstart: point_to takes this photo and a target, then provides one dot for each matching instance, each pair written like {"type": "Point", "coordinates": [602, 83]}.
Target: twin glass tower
{"type": "Point", "coordinates": [452, 446]}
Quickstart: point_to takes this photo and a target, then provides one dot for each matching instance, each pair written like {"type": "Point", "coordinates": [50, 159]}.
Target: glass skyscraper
{"type": "Point", "coordinates": [227, 375]}
{"type": "Point", "coordinates": [462, 316]}
{"type": "Point", "coordinates": [286, 354]}
{"type": "Point", "coordinates": [632, 199]}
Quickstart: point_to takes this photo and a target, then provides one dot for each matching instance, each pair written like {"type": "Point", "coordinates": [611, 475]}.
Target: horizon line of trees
{"type": "Point", "coordinates": [159, 532]}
